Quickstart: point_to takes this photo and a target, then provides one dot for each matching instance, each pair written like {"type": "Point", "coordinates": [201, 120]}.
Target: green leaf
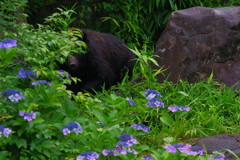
{"type": "Point", "coordinates": [47, 144]}
{"type": "Point", "coordinates": [21, 143]}
{"type": "Point", "coordinates": [168, 120]}
{"type": "Point", "coordinates": [101, 117]}
{"type": "Point", "coordinates": [143, 147]}
{"type": "Point", "coordinates": [168, 139]}
{"type": "Point", "coordinates": [69, 107]}
{"type": "Point", "coordinates": [38, 120]}
{"type": "Point", "coordinates": [47, 153]}
{"type": "Point", "coordinates": [20, 131]}
{"type": "Point", "coordinates": [40, 126]}
{"type": "Point", "coordinates": [4, 154]}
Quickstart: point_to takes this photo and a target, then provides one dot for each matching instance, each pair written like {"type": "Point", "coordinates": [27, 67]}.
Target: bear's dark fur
{"type": "Point", "coordinates": [106, 62]}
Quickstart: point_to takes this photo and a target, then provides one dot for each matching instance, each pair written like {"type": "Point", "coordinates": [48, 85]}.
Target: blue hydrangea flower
{"type": "Point", "coordinates": [8, 43]}
{"type": "Point", "coordinates": [141, 127]}
{"type": "Point", "coordinates": [118, 151]}
{"type": "Point", "coordinates": [154, 102]}
{"type": "Point", "coordinates": [76, 127]}
{"type": "Point", "coordinates": [41, 82]}
{"type": "Point", "coordinates": [62, 73]}
{"type": "Point", "coordinates": [150, 94]}
{"type": "Point", "coordinates": [26, 73]}
{"type": "Point", "coordinates": [13, 95]}
{"type": "Point", "coordinates": [88, 155]}
{"type": "Point", "coordinates": [106, 152]}
{"type": "Point", "coordinates": [178, 108]}
{"type": "Point", "coordinates": [197, 149]}
{"type": "Point", "coordinates": [131, 102]}
{"type": "Point", "coordinates": [219, 156]}
{"type": "Point", "coordinates": [148, 158]}
{"type": "Point", "coordinates": [126, 141]}
{"type": "Point", "coordinates": [27, 116]}
{"type": "Point", "coordinates": [5, 131]}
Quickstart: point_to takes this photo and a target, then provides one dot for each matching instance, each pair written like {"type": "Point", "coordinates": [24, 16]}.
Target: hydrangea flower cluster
{"type": "Point", "coordinates": [88, 155]}
{"type": "Point", "coordinates": [118, 151]}
{"type": "Point", "coordinates": [62, 73]}
{"type": "Point", "coordinates": [8, 43]}
{"type": "Point", "coordinates": [153, 102]}
{"type": "Point", "coordinates": [26, 73]}
{"type": "Point", "coordinates": [28, 116]}
{"type": "Point", "coordinates": [5, 131]}
{"type": "Point", "coordinates": [148, 157]}
{"type": "Point", "coordinates": [127, 140]}
{"type": "Point", "coordinates": [177, 108]}
{"type": "Point", "coordinates": [150, 94]}
{"type": "Point", "coordinates": [141, 127]}
{"type": "Point", "coordinates": [76, 127]}
{"type": "Point", "coordinates": [219, 156]}
{"type": "Point", "coordinates": [188, 149]}
{"type": "Point", "coordinates": [13, 95]}
{"type": "Point", "coordinates": [131, 102]}
{"type": "Point", "coordinates": [41, 82]}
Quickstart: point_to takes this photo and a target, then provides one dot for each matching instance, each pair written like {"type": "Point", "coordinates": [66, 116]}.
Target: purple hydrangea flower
{"type": "Point", "coordinates": [100, 123]}
{"type": "Point", "coordinates": [141, 127]}
{"type": "Point", "coordinates": [148, 157]}
{"type": "Point", "coordinates": [220, 156]}
{"type": "Point", "coordinates": [13, 95]}
{"type": "Point", "coordinates": [28, 116]}
{"type": "Point", "coordinates": [5, 131]}
{"type": "Point", "coordinates": [106, 152]}
{"type": "Point", "coordinates": [76, 127]}
{"type": "Point", "coordinates": [114, 152]}
{"type": "Point", "coordinates": [197, 149]}
{"type": "Point", "coordinates": [154, 102]}
{"type": "Point", "coordinates": [8, 43]}
{"type": "Point", "coordinates": [88, 155]}
{"type": "Point", "coordinates": [118, 151]}
{"type": "Point", "coordinates": [177, 108]}
{"type": "Point", "coordinates": [126, 141]}
{"type": "Point", "coordinates": [131, 102]}
{"type": "Point", "coordinates": [217, 157]}
{"type": "Point", "coordinates": [41, 82]}
{"type": "Point", "coordinates": [26, 73]}
{"type": "Point", "coordinates": [62, 73]}
{"type": "Point", "coordinates": [170, 148]}
{"type": "Point", "coordinates": [187, 148]}
{"type": "Point", "coordinates": [150, 94]}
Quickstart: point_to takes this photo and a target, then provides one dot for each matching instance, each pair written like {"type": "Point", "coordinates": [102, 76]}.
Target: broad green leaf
{"type": "Point", "coordinates": [4, 154]}
{"type": "Point", "coordinates": [47, 144]}
{"type": "Point", "coordinates": [168, 120]}
{"type": "Point", "coordinates": [21, 143]}
{"type": "Point", "coordinates": [101, 117]}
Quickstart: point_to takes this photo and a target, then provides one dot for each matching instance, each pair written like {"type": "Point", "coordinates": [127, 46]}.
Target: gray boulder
{"type": "Point", "coordinates": [198, 41]}
{"type": "Point", "coordinates": [219, 143]}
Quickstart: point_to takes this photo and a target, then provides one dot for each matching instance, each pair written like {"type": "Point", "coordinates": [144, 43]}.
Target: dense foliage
{"type": "Point", "coordinates": [40, 119]}
{"type": "Point", "coordinates": [137, 22]}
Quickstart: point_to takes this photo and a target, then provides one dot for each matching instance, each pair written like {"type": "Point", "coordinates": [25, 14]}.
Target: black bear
{"type": "Point", "coordinates": [106, 62]}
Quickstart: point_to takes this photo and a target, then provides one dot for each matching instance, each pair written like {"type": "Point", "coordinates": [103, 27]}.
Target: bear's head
{"type": "Point", "coordinates": [73, 63]}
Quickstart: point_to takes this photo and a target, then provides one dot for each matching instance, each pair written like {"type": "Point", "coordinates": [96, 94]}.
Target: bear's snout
{"type": "Point", "coordinates": [73, 66]}
{"type": "Point", "coordinates": [72, 63]}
